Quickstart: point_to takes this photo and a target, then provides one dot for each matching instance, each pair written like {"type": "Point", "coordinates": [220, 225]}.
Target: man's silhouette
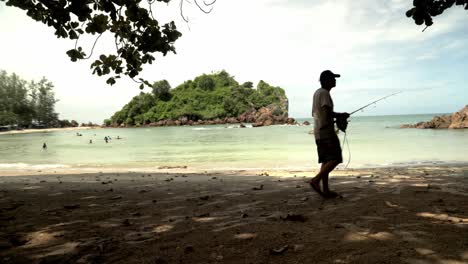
{"type": "Point", "coordinates": [328, 144]}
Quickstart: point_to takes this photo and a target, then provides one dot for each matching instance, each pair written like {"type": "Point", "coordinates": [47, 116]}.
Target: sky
{"type": "Point", "coordinates": [287, 43]}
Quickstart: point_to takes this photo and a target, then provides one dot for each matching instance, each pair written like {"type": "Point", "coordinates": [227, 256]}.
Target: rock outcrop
{"type": "Point", "coordinates": [272, 115]}
{"type": "Point", "coordinates": [454, 121]}
{"type": "Point", "coordinates": [266, 116]}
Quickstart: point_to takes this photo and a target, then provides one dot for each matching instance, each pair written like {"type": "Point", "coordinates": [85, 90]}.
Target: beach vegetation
{"type": "Point", "coordinates": [27, 104]}
{"type": "Point", "coordinates": [137, 36]}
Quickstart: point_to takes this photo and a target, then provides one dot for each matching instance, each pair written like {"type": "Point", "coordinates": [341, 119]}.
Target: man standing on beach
{"type": "Point", "coordinates": [328, 144]}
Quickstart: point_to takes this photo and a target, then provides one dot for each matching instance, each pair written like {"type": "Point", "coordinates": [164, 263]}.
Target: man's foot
{"type": "Point", "coordinates": [316, 187]}
{"type": "Point", "coordinates": [331, 195]}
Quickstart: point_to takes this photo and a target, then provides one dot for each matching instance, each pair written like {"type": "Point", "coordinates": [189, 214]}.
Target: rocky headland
{"type": "Point", "coordinates": [456, 120]}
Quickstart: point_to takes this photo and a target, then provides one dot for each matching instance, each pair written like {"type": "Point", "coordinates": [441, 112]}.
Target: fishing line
{"type": "Point", "coordinates": [345, 139]}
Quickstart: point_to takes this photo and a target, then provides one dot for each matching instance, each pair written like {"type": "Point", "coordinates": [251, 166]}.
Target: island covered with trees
{"type": "Point", "coordinates": [215, 98]}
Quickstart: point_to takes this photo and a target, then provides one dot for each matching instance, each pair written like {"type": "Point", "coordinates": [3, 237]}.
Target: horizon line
{"type": "Point", "coordinates": [394, 115]}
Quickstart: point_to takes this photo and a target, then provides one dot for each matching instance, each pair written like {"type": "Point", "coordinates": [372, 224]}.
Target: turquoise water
{"type": "Point", "coordinates": [373, 141]}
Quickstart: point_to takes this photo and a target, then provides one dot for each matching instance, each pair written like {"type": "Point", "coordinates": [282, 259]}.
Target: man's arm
{"type": "Point", "coordinates": [328, 115]}
{"type": "Point", "coordinates": [341, 115]}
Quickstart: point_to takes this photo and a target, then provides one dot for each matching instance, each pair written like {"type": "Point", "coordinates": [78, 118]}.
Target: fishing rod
{"type": "Point", "coordinates": [343, 123]}
{"type": "Point", "coordinates": [375, 102]}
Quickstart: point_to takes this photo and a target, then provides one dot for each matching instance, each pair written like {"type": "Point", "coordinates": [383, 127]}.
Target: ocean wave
{"type": "Point", "coordinates": [221, 127]}
{"type": "Point", "coordinates": [31, 166]}
{"type": "Point", "coordinates": [415, 163]}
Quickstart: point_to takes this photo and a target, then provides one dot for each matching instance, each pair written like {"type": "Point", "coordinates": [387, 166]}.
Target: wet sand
{"type": "Point", "coordinates": [386, 215]}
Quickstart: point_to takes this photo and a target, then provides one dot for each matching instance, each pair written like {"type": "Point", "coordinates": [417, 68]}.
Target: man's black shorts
{"type": "Point", "coordinates": [329, 149]}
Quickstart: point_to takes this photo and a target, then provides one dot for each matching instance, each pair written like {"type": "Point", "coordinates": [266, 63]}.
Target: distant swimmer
{"type": "Point", "coordinates": [106, 139]}
{"type": "Point", "coordinates": [118, 137]}
{"type": "Point", "coordinates": [44, 146]}
{"type": "Point", "coordinates": [90, 141]}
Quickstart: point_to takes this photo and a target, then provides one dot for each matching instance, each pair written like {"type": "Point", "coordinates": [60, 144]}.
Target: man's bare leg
{"type": "Point", "coordinates": [329, 167]}
{"type": "Point", "coordinates": [325, 169]}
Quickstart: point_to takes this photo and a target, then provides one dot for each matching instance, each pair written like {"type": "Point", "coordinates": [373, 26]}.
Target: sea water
{"type": "Point", "coordinates": [373, 141]}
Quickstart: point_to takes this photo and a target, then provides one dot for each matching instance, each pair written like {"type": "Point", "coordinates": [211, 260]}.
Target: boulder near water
{"type": "Point", "coordinates": [454, 121]}
{"type": "Point", "coordinates": [460, 118]}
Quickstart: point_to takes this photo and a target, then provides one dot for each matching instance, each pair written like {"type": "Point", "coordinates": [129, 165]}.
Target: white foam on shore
{"type": "Point", "coordinates": [217, 167]}
{"type": "Point", "coordinates": [31, 166]}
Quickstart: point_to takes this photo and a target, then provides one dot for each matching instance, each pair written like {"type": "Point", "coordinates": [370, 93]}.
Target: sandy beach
{"type": "Point", "coordinates": [386, 215]}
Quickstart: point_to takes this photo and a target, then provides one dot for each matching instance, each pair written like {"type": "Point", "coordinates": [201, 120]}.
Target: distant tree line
{"type": "Point", "coordinates": [207, 97]}
{"type": "Point", "coordinates": [28, 104]}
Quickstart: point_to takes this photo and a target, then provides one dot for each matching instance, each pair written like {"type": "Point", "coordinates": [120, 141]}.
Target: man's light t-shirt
{"type": "Point", "coordinates": [322, 128]}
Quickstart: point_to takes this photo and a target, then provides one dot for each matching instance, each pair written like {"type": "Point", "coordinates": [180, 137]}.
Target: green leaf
{"type": "Point", "coordinates": [111, 81]}
{"type": "Point", "coordinates": [72, 34]}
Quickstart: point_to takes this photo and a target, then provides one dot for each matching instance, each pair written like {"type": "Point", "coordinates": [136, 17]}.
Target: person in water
{"type": "Point", "coordinates": [328, 144]}
{"type": "Point", "coordinates": [44, 146]}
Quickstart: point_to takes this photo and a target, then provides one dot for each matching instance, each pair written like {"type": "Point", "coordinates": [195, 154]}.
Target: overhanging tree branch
{"type": "Point", "coordinates": [424, 10]}
{"type": "Point", "coordinates": [138, 36]}
{"type": "Point", "coordinates": [203, 10]}
{"type": "Point", "coordinates": [92, 49]}
{"type": "Point", "coordinates": [209, 4]}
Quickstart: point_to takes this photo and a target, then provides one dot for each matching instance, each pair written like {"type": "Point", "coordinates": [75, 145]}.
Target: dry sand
{"type": "Point", "coordinates": [386, 215]}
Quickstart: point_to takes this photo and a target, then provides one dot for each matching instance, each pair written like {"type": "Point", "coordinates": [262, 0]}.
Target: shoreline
{"type": "Point", "coordinates": [45, 130]}
{"type": "Point", "coordinates": [66, 170]}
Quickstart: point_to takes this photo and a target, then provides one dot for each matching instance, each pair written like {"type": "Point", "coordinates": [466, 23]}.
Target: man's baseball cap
{"type": "Point", "coordinates": [327, 75]}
